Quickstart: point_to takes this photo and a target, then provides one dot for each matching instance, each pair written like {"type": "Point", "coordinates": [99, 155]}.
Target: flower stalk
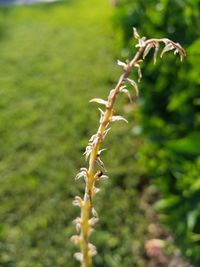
{"type": "Point", "coordinates": [96, 169]}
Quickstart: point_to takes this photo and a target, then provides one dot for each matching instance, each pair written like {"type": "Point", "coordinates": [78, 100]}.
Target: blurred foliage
{"type": "Point", "coordinates": [170, 101]}
{"type": "Point", "coordinates": [53, 60]}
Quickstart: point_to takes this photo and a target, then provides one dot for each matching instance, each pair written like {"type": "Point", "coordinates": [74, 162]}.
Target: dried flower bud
{"type": "Point", "coordinates": [94, 212]}
{"type": "Point", "coordinates": [92, 138]}
{"type": "Point", "coordinates": [100, 151]}
{"type": "Point", "coordinates": [112, 92]}
{"type": "Point", "coordinates": [82, 173]}
{"type": "Point", "coordinates": [78, 256]}
{"type": "Point", "coordinates": [99, 101]}
{"type": "Point", "coordinates": [90, 231]}
{"type": "Point", "coordinates": [77, 220]}
{"type": "Point", "coordinates": [75, 239]}
{"type": "Point", "coordinates": [147, 49]}
{"type": "Point", "coordinates": [122, 64]}
{"type": "Point", "coordinates": [167, 48]}
{"type": "Point", "coordinates": [104, 177]}
{"type": "Point", "coordinates": [101, 116]}
{"type": "Point", "coordinates": [78, 223]}
{"type": "Point", "coordinates": [92, 249]}
{"type": "Point", "coordinates": [106, 131]}
{"type": "Point", "coordinates": [96, 190]}
{"type": "Point", "coordinates": [100, 163]}
{"type": "Point", "coordinates": [93, 221]}
{"type": "Point", "coordinates": [155, 52]}
{"type": "Point", "coordinates": [119, 118]}
{"type": "Point", "coordinates": [88, 151]}
{"type": "Point", "coordinates": [134, 84]}
{"type": "Point", "coordinates": [126, 91]}
{"type": "Point", "coordinates": [77, 201]}
{"type": "Point", "coordinates": [135, 33]}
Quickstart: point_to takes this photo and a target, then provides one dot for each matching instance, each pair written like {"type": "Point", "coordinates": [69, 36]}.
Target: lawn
{"type": "Point", "coordinates": [53, 60]}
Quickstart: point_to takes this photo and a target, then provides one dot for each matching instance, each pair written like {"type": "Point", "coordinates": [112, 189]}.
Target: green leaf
{"type": "Point", "coordinates": [167, 202]}
{"type": "Point", "coordinates": [188, 145]}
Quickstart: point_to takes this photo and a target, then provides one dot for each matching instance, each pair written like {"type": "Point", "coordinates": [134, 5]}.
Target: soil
{"type": "Point", "coordinates": [159, 238]}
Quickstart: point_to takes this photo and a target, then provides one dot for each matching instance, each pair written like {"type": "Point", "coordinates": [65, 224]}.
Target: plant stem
{"type": "Point", "coordinates": [90, 182]}
{"type": "Point", "coordinates": [91, 175]}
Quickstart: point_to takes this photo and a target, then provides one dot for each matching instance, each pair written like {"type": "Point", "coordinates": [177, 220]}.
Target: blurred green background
{"type": "Point", "coordinates": [53, 60]}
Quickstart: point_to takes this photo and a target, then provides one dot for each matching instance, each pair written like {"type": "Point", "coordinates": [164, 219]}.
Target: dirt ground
{"type": "Point", "coordinates": [159, 238]}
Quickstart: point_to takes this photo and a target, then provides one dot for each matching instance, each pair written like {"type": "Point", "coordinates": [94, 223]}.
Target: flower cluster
{"type": "Point", "coordinates": [96, 169]}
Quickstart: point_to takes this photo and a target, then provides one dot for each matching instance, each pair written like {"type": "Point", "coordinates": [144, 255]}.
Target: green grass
{"type": "Point", "coordinates": [53, 60]}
